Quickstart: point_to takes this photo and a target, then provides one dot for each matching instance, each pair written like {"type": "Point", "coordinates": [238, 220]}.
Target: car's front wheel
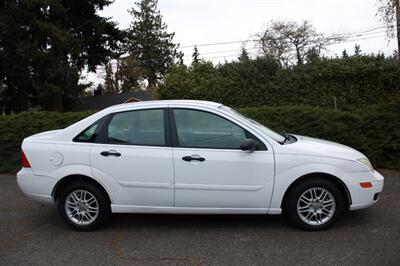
{"type": "Point", "coordinates": [314, 204]}
{"type": "Point", "coordinates": [84, 206]}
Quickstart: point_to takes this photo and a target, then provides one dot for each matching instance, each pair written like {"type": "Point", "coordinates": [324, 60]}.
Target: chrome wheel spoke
{"type": "Point", "coordinates": [90, 201]}
{"type": "Point", "coordinates": [325, 211]}
{"type": "Point", "coordinates": [314, 194]}
{"type": "Point", "coordinates": [74, 197]}
{"type": "Point", "coordinates": [305, 200]}
{"type": "Point", "coordinates": [73, 212]}
{"type": "Point", "coordinates": [70, 204]}
{"type": "Point", "coordinates": [319, 218]}
{"type": "Point", "coordinates": [304, 208]}
{"type": "Point", "coordinates": [83, 195]}
{"type": "Point", "coordinates": [86, 215]}
{"type": "Point", "coordinates": [323, 195]}
{"type": "Point", "coordinates": [309, 215]}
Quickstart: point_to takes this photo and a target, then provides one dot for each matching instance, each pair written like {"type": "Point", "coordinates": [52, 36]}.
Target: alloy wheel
{"type": "Point", "coordinates": [316, 206]}
{"type": "Point", "coordinates": [81, 207]}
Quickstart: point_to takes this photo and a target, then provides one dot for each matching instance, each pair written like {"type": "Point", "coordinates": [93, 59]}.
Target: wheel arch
{"type": "Point", "coordinates": [339, 183]}
{"type": "Point", "coordinates": [63, 182]}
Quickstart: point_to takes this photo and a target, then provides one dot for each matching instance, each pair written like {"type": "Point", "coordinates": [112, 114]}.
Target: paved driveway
{"type": "Point", "coordinates": [31, 234]}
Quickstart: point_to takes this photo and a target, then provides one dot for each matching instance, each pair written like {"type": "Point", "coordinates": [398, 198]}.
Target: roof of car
{"type": "Point", "coordinates": [167, 102]}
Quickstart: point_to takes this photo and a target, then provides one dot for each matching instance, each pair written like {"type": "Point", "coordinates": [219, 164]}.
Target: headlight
{"type": "Point", "coordinates": [367, 163]}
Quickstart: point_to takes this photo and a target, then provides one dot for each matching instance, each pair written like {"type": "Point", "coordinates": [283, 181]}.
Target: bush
{"type": "Point", "coordinates": [14, 128]}
{"type": "Point", "coordinates": [355, 81]}
{"type": "Point", "coordinates": [375, 131]}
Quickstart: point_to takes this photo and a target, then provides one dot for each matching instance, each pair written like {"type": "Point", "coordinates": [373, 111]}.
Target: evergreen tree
{"type": "Point", "coordinates": [129, 74]}
{"type": "Point", "coordinates": [149, 43]}
{"type": "Point", "coordinates": [195, 56]}
{"type": "Point", "coordinates": [99, 89]}
{"type": "Point", "coordinates": [344, 54]}
{"type": "Point", "coordinates": [109, 79]}
{"type": "Point", "coordinates": [244, 56]}
{"type": "Point", "coordinates": [357, 50]}
{"type": "Point", "coordinates": [44, 46]}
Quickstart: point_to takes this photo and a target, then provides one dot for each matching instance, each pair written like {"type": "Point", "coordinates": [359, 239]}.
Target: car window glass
{"type": "Point", "coordinates": [205, 130]}
{"type": "Point", "coordinates": [142, 127]}
{"type": "Point", "coordinates": [89, 134]}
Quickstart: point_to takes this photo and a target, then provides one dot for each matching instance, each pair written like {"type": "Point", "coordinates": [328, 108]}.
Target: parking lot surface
{"type": "Point", "coordinates": [32, 234]}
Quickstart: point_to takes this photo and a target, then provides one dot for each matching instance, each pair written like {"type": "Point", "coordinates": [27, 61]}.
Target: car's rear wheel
{"type": "Point", "coordinates": [84, 206]}
{"type": "Point", "coordinates": [314, 204]}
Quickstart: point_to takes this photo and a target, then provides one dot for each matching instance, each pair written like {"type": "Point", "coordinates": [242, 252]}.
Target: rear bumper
{"type": "Point", "coordinates": [34, 186]}
{"type": "Point", "coordinates": [364, 197]}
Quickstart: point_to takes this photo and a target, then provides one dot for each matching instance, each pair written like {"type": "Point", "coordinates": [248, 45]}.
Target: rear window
{"type": "Point", "coordinates": [90, 133]}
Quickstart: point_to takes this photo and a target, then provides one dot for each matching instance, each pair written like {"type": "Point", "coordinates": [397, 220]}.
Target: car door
{"type": "Point", "coordinates": [134, 150]}
{"type": "Point", "coordinates": [210, 169]}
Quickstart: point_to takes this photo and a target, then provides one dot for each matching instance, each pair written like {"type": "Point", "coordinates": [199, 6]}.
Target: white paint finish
{"type": "Point", "coordinates": [185, 210]}
{"type": "Point", "coordinates": [36, 187]}
{"type": "Point", "coordinates": [146, 173]}
{"type": "Point", "coordinates": [146, 184]}
{"type": "Point", "coordinates": [56, 159]}
{"type": "Point", "coordinates": [156, 179]}
{"type": "Point", "coordinates": [218, 187]}
{"type": "Point", "coordinates": [363, 196]}
{"type": "Point", "coordinates": [321, 148]}
{"type": "Point", "coordinates": [40, 151]}
{"type": "Point", "coordinates": [226, 179]}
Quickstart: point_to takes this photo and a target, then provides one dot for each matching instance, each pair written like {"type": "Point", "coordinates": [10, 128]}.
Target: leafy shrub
{"type": "Point", "coordinates": [356, 82]}
{"type": "Point", "coordinates": [375, 131]}
{"type": "Point", "coordinates": [14, 128]}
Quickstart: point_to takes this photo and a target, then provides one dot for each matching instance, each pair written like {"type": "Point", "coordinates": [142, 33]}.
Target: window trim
{"type": "Point", "coordinates": [103, 135]}
{"type": "Point", "coordinates": [175, 139]}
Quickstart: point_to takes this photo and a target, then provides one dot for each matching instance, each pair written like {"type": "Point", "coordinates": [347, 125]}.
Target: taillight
{"type": "Point", "coordinates": [24, 160]}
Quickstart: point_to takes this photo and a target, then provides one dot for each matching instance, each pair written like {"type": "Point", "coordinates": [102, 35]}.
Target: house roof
{"type": "Point", "coordinates": [99, 102]}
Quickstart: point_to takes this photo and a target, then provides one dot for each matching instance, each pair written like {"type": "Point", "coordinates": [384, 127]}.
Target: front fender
{"type": "Point", "coordinates": [286, 176]}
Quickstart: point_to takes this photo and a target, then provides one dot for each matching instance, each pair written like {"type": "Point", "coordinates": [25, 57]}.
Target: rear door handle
{"type": "Point", "coordinates": [110, 153]}
{"type": "Point", "coordinates": [193, 158]}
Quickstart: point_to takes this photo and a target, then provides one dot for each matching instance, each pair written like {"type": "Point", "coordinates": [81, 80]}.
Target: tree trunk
{"type": "Point", "coordinates": [397, 5]}
{"type": "Point", "coordinates": [298, 55]}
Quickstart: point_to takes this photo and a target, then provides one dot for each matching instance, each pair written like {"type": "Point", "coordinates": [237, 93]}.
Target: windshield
{"type": "Point", "coordinates": [277, 137]}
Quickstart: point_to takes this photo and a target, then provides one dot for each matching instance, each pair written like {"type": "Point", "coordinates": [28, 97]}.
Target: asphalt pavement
{"type": "Point", "coordinates": [34, 234]}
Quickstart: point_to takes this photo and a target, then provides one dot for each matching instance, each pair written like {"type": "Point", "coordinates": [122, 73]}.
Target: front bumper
{"type": "Point", "coordinates": [364, 197]}
{"type": "Point", "coordinates": [34, 186]}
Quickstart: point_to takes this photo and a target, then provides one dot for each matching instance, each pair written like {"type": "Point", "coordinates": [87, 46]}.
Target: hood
{"type": "Point", "coordinates": [318, 147]}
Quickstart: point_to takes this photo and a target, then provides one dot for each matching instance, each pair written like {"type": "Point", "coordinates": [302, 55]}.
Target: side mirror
{"type": "Point", "coordinates": [249, 145]}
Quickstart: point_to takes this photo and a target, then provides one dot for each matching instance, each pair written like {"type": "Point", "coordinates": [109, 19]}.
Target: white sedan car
{"type": "Point", "coordinates": [191, 157]}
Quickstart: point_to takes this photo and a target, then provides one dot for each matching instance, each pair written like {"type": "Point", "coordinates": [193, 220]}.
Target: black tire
{"type": "Point", "coordinates": [292, 198]}
{"type": "Point", "coordinates": [103, 204]}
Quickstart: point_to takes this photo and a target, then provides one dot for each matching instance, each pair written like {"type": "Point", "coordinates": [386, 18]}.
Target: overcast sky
{"type": "Point", "coordinates": [215, 21]}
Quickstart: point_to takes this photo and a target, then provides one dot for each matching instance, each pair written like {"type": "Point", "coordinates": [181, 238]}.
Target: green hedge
{"type": "Point", "coordinates": [14, 128]}
{"type": "Point", "coordinates": [355, 82]}
{"type": "Point", "coordinates": [375, 131]}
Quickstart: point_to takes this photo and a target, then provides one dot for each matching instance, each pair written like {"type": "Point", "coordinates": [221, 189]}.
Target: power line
{"type": "Point", "coordinates": [216, 43]}
{"type": "Point", "coordinates": [255, 40]}
{"type": "Point", "coordinates": [366, 31]}
{"type": "Point", "coordinates": [221, 52]}
{"type": "Point", "coordinates": [260, 53]}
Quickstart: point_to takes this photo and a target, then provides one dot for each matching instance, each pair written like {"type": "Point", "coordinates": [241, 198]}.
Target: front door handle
{"type": "Point", "coordinates": [110, 153]}
{"type": "Point", "coordinates": [193, 158]}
